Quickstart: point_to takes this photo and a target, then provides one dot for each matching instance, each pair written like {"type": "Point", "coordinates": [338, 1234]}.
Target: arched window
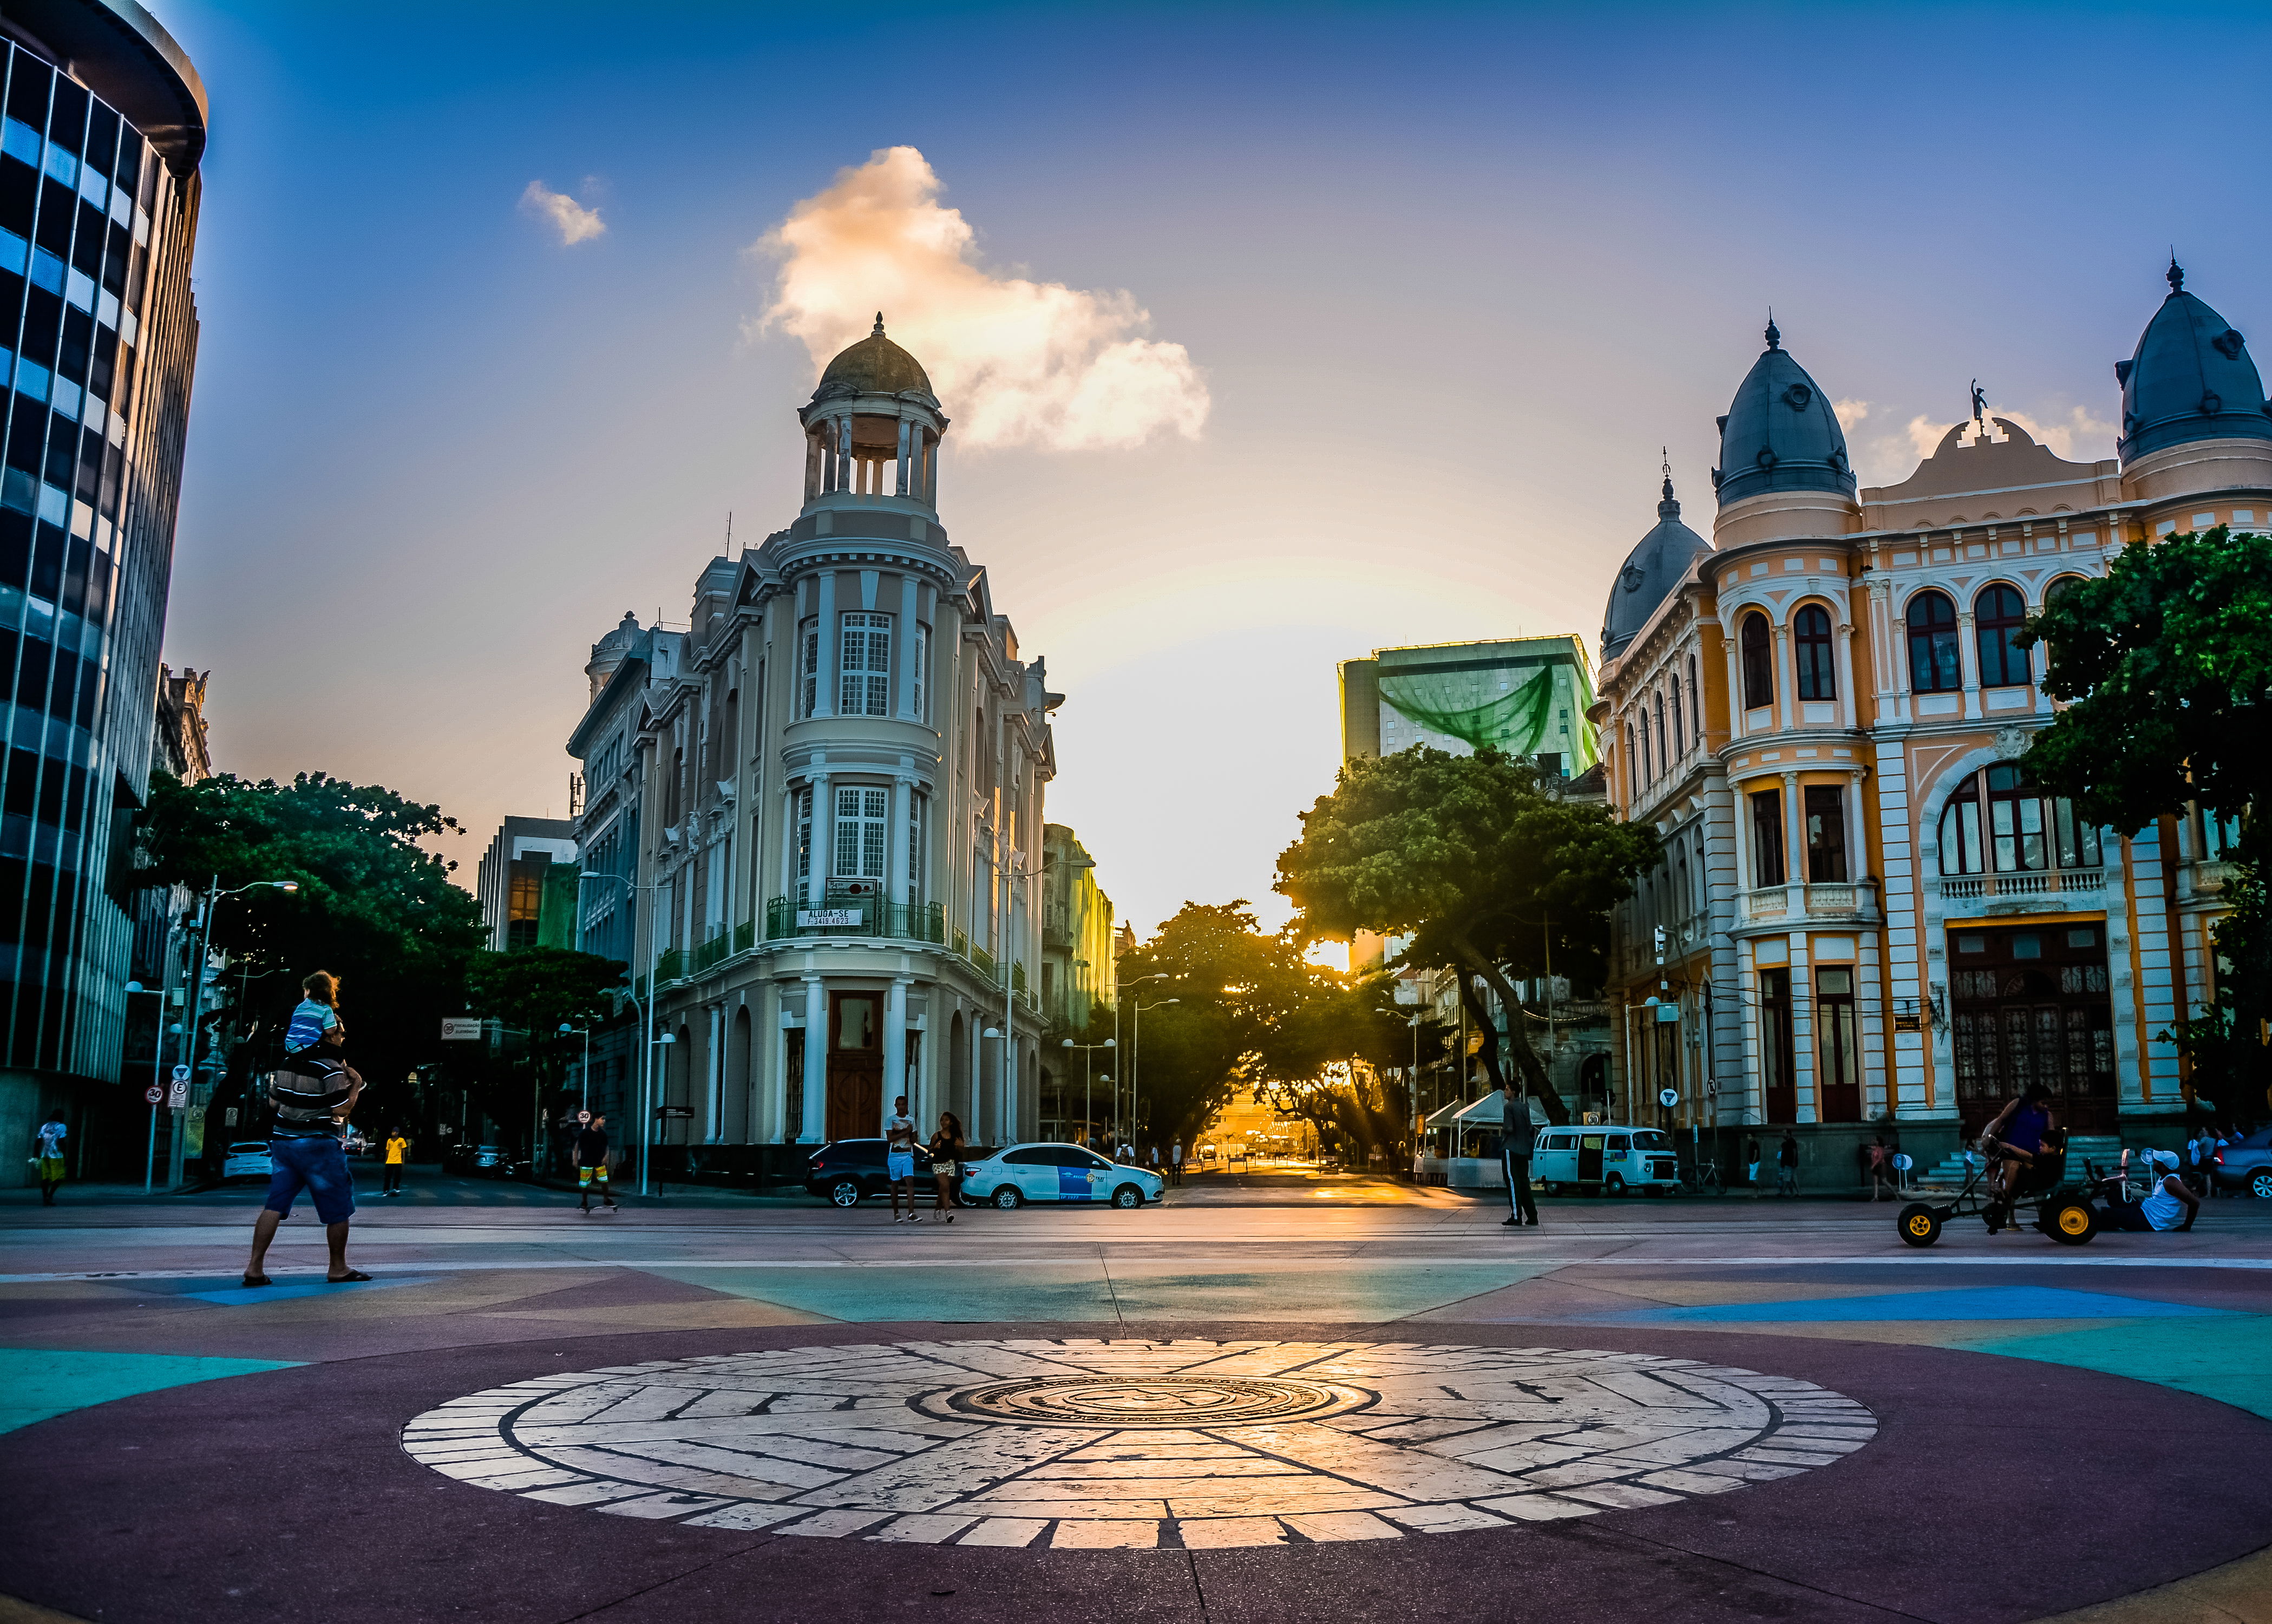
{"type": "Point", "coordinates": [1998, 614]}
{"type": "Point", "coordinates": [2061, 585]}
{"type": "Point", "coordinates": [1934, 666]}
{"type": "Point", "coordinates": [1664, 760]}
{"type": "Point", "coordinates": [1818, 678]}
{"type": "Point", "coordinates": [1648, 772]}
{"type": "Point", "coordinates": [1998, 820]}
{"type": "Point", "coordinates": [1759, 662]}
{"type": "Point", "coordinates": [1679, 743]}
{"type": "Point", "coordinates": [1632, 760]}
{"type": "Point", "coordinates": [1695, 702]}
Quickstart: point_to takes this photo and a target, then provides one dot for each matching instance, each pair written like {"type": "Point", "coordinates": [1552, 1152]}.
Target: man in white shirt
{"type": "Point", "coordinates": [900, 1160]}
{"type": "Point", "coordinates": [2167, 1204]}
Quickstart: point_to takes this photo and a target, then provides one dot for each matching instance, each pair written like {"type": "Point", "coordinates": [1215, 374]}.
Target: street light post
{"type": "Point", "coordinates": [214, 896]}
{"type": "Point", "coordinates": [1136, 982]}
{"type": "Point", "coordinates": [1087, 1083]}
{"type": "Point", "coordinates": [645, 1007]}
{"type": "Point", "coordinates": [1136, 1055]}
{"type": "Point", "coordinates": [157, 1072]}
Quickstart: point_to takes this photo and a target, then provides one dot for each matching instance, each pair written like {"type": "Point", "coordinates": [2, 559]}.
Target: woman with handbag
{"type": "Point", "coordinates": [946, 1149]}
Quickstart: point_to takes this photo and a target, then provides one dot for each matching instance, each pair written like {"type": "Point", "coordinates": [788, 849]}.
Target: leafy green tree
{"type": "Point", "coordinates": [2164, 668]}
{"type": "Point", "coordinates": [1482, 864]}
{"type": "Point", "coordinates": [533, 993]}
{"type": "Point", "coordinates": [374, 906]}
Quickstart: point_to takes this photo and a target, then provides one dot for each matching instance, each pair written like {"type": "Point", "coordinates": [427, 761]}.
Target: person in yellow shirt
{"type": "Point", "coordinates": [398, 1151]}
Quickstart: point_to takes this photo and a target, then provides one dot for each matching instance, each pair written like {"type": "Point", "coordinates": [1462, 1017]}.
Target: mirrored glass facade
{"type": "Point", "coordinates": [98, 338]}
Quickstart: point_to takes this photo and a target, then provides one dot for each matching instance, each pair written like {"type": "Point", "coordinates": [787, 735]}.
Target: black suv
{"type": "Point", "coordinates": [845, 1170]}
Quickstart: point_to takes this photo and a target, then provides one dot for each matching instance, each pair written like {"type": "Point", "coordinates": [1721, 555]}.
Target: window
{"type": "Point", "coordinates": [920, 655]}
{"type": "Point", "coordinates": [1778, 1050]}
{"type": "Point", "coordinates": [1695, 704]}
{"type": "Point", "coordinates": [1841, 1081]}
{"type": "Point", "coordinates": [1648, 772]}
{"type": "Point", "coordinates": [2220, 834]}
{"type": "Point", "coordinates": [864, 679]}
{"type": "Point", "coordinates": [858, 845]}
{"type": "Point", "coordinates": [1934, 667]}
{"type": "Point", "coordinates": [803, 838]}
{"type": "Point", "coordinates": [1766, 837]}
{"type": "Point", "coordinates": [1998, 820]}
{"type": "Point", "coordinates": [1825, 833]}
{"type": "Point", "coordinates": [1818, 679]}
{"type": "Point", "coordinates": [1662, 754]}
{"type": "Point", "coordinates": [915, 806]}
{"type": "Point", "coordinates": [1679, 743]}
{"type": "Point", "coordinates": [1998, 616]}
{"type": "Point", "coordinates": [807, 665]}
{"type": "Point", "coordinates": [1759, 662]}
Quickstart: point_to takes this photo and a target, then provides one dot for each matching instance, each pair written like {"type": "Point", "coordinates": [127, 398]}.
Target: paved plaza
{"type": "Point", "coordinates": [1296, 1395]}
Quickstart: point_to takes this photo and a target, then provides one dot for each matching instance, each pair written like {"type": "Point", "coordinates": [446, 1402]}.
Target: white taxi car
{"type": "Point", "coordinates": [247, 1159]}
{"type": "Point", "coordinates": [1057, 1173]}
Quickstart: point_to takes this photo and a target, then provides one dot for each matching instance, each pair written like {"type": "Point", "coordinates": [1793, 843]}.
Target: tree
{"type": "Point", "coordinates": [373, 905]}
{"type": "Point", "coordinates": [1482, 864]}
{"type": "Point", "coordinates": [2165, 668]}
{"type": "Point", "coordinates": [537, 990]}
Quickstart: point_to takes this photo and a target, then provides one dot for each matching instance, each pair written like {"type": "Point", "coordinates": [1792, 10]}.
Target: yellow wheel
{"type": "Point", "coordinates": [2074, 1224]}
{"type": "Point", "coordinates": [1919, 1224]}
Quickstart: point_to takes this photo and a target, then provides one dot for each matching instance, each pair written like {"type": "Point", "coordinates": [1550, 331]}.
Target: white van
{"type": "Point", "coordinates": [1613, 1160]}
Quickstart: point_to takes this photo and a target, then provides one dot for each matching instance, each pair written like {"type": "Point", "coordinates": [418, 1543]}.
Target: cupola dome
{"type": "Point", "coordinates": [2191, 379]}
{"type": "Point", "coordinates": [875, 365]}
{"type": "Point", "coordinates": [1780, 434]}
{"type": "Point", "coordinates": [1652, 571]}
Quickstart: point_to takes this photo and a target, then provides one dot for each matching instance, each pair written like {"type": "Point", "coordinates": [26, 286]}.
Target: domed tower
{"type": "Point", "coordinates": [2192, 400]}
{"type": "Point", "coordinates": [1784, 470]}
{"type": "Point", "coordinates": [610, 653]}
{"type": "Point", "coordinates": [873, 429]}
{"type": "Point", "coordinates": [1656, 566]}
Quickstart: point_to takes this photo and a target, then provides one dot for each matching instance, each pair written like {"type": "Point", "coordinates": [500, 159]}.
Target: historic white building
{"type": "Point", "coordinates": [1869, 915]}
{"type": "Point", "coordinates": [814, 820]}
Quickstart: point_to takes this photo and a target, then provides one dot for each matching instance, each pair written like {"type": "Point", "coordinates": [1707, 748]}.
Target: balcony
{"type": "Point", "coordinates": [2042, 882]}
{"type": "Point", "coordinates": [788, 919]}
{"type": "Point", "coordinates": [2207, 879]}
{"type": "Point", "coordinates": [1823, 902]}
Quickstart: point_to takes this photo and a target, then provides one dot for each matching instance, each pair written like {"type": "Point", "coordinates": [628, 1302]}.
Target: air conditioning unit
{"type": "Point", "coordinates": [855, 887]}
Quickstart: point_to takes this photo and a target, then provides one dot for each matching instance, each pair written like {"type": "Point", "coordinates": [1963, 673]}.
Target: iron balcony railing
{"type": "Point", "coordinates": [786, 917]}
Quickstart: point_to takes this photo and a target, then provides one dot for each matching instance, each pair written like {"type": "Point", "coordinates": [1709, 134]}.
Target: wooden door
{"type": "Point", "coordinates": [856, 1064]}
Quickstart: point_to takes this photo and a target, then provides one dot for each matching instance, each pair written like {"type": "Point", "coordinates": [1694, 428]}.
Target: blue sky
{"type": "Point", "coordinates": [1450, 275]}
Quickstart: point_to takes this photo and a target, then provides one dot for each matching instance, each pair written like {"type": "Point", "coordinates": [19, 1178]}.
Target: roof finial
{"type": "Point", "coordinates": [878, 332]}
{"type": "Point", "coordinates": [1979, 407]}
{"type": "Point", "coordinates": [2175, 275]}
{"type": "Point", "coordinates": [1775, 334]}
{"type": "Point", "coordinates": [1666, 453]}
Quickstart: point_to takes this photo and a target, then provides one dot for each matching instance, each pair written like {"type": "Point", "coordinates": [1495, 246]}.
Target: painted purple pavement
{"type": "Point", "coordinates": [287, 1494]}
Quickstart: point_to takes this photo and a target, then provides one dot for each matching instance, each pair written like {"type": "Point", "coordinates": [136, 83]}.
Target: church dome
{"type": "Point", "coordinates": [2191, 379]}
{"type": "Point", "coordinates": [1653, 569]}
{"type": "Point", "coordinates": [1780, 434]}
{"type": "Point", "coordinates": [875, 365]}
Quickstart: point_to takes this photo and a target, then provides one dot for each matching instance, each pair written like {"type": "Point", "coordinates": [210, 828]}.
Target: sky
{"type": "Point", "coordinates": [1272, 334]}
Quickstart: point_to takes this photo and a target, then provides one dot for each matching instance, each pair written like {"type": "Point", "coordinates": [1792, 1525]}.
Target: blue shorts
{"type": "Point", "coordinates": [901, 1164]}
{"type": "Point", "coordinates": [317, 1165]}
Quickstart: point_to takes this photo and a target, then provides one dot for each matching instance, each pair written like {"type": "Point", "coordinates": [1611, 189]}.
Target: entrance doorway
{"type": "Point", "coordinates": [856, 1064]}
{"type": "Point", "coordinates": [2028, 1004]}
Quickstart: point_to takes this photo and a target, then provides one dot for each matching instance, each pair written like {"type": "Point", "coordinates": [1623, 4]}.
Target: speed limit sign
{"type": "Point", "coordinates": [584, 1117]}
{"type": "Point", "coordinates": [154, 1094]}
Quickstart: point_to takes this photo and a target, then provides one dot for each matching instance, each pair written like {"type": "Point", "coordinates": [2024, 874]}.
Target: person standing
{"type": "Point", "coordinates": [589, 1152]}
{"type": "Point", "coordinates": [1787, 1164]}
{"type": "Point", "coordinates": [50, 1136]}
{"type": "Point", "coordinates": [947, 1164]}
{"type": "Point", "coordinates": [1881, 1168]}
{"type": "Point", "coordinates": [1175, 1162]}
{"type": "Point", "coordinates": [1751, 1164]}
{"type": "Point", "coordinates": [398, 1151]}
{"type": "Point", "coordinates": [313, 1098]}
{"type": "Point", "coordinates": [1516, 1137]}
{"type": "Point", "coordinates": [900, 1160]}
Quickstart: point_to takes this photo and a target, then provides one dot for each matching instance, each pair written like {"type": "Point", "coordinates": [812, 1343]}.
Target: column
{"type": "Point", "coordinates": [895, 1043]}
{"type": "Point", "coordinates": [1786, 676]}
{"type": "Point", "coordinates": [930, 468]}
{"type": "Point", "coordinates": [823, 830]}
{"type": "Point", "coordinates": [812, 473]}
{"type": "Point", "coordinates": [895, 848]}
{"type": "Point", "coordinates": [909, 610]}
{"type": "Point", "coordinates": [715, 1063]}
{"type": "Point", "coordinates": [816, 1062]}
{"type": "Point", "coordinates": [846, 474]}
{"type": "Point", "coordinates": [1846, 672]}
{"type": "Point", "coordinates": [900, 463]}
{"type": "Point", "coordinates": [1967, 651]}
{"type": "Point", "coordinates": [823, 687]}
{"type": "Point", "coordinates": [1794, 831]}
{"type": "Point", "coordinates": [1735, 685]}
{"type": "Point", "coordinates": [1859, 866]}
{"type": "Point", "coordinates": [1747, 870]}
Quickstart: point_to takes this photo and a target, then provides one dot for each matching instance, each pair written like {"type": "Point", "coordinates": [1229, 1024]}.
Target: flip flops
{"type": "Point", "coordinates": [352, 1274]}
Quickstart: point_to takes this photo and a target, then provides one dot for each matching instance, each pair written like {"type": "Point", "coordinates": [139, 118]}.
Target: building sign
{"type": "Point", "coordinates": [465, 1031]}
{"type": "Point", "coordinates": [1906, 1023]}
{"type": "Point", "coordinates": [829, 918]}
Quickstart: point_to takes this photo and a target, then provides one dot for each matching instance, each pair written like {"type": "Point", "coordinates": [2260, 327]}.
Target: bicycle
{"type": "Point", "coordinates": [1708, 1181]}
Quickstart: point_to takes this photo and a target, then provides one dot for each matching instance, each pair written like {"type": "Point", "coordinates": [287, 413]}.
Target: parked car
{"type": "Point", "coordinates": [845, 1171]}
{"type": "Point", "coordinates": [357, 1142]}
{"type": "Point", "coordinates": [1613, 1160]}
{"type": "Point", "coordinates": [483, 1161]}
{"type": "Point", "coordinates": [247, 1159]}
{"type": "Point", "coordinates": [2248, 1163]}
{"type": "Point", "coordinates": [1057, 1173]}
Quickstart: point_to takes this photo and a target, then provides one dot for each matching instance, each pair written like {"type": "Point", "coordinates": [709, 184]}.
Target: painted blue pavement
{"type": "Point", "coordinates": [2020, 1302]}
{"type": "Point", "coordinates": [38, 1382]}
{"type": "Point", "coordinates": [2228, 1358]}
{"type": "Point", "coordinates": [240, 1295]}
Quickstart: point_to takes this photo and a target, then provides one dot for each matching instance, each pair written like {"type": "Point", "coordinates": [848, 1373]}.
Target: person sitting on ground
{"type": "Point", "coordinates": [2168, 1203]}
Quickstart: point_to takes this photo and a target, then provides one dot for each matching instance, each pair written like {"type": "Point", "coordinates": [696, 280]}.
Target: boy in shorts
{"type": "Point", "coordinates": [590, 1155]}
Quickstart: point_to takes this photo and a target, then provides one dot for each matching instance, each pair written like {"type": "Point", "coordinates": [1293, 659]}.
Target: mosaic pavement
{"type": "Point", "coordinates": [1092, 1443]}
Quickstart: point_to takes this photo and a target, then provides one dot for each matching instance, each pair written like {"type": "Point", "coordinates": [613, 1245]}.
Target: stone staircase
{"type": "Point", "coordinates": [2104, 1148]}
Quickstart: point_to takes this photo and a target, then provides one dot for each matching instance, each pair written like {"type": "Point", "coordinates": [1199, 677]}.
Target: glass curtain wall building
{"type": "Point", "coordinates": [103, 131]}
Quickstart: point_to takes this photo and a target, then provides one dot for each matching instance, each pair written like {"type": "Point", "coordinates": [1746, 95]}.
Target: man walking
{"type": "Point", "coordinates": [900, 1159]}
{"type": "Point", "coordinates": [50, 1136]}
{"type": "Point", "coordinates": [398, 1148]}
{"type": "Point", "coordinates": [1787, 1164]}
{"type": "Point", "coordinates": [1515, 1138]}
{"type": "Point", "coordinates": [1751, 1164]}
{"type": "Point", "coordinates": [589, 1153]}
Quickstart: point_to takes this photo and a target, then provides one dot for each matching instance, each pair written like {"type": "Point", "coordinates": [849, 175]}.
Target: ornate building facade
{"type": "Point", "coordinates": [1868, 914]}
{"type": "Point", "coordinates": [813, 821]}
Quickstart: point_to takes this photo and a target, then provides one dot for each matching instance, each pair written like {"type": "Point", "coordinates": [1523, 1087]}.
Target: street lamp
{"type": "Point", "coordinates": [1136, 1040]}
{"type": "Point", "coordinates": [567, 1029]}
{"type": "Point", "coordinates": [157, 1087]}
{"type": "Point", "coordinates": [214, 896]}
{"type": "Point", "coordinates": [1087, 1083]}
{"type": "Point", "coordinates": [1135, 982]}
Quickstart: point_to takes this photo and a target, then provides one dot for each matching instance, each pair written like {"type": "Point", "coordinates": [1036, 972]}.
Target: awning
{"type": "Point", "coordinates": [1489, 1111]}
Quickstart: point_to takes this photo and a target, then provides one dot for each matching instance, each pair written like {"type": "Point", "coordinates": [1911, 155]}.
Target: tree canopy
{"type": "Point", "coordinates": [1481, 863]}
{"type": "Point", "coordinates": [2164, 668]}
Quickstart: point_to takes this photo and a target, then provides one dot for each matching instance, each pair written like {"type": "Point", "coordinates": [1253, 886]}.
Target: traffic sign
{"type": "Point", "coordinates": [1668, 1097]}
{"type": "Point", "coordinates": [584, 1117]}
{"type": "Point", "coordinates": [180, 1075]}
{"type": "Point", "coordinates": [154, 1094]}
{"type": "Point", "coordinates": [467, 1030]}
{"type": "Point", "coordinates": [178, 1097]}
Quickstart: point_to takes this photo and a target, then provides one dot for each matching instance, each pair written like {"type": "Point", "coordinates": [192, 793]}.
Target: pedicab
{"type": "Point", "coordinates": [2059, 1206]}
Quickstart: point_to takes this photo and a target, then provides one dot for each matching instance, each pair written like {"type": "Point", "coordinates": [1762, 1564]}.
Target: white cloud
{"type": "Point", "coordinates": [1017, 362]}
{"type": "Point", "coordinates": [574, 223]}
{"type": "Point", "coordinates": [1850, 413]}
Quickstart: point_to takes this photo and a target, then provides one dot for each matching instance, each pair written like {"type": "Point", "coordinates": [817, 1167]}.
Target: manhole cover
{"type": "Point", "coordinates": [1085, 1443]}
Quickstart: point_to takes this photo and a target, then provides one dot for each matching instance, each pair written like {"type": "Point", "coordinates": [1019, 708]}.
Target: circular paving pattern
{"type": "Point", "coordinates": [1076, 1442]}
